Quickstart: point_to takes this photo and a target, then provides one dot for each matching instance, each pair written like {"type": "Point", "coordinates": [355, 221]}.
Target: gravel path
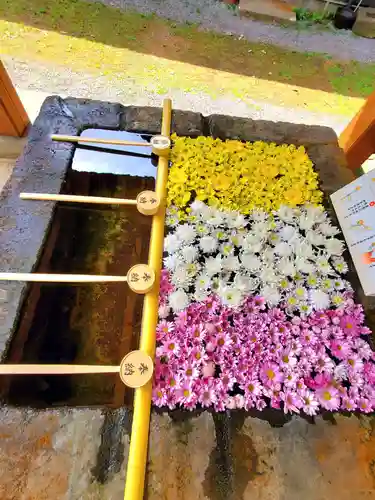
{"type": "Point", "coordinates": [214, 15]}
{"type": "Point", "coordinates": [35, 81]}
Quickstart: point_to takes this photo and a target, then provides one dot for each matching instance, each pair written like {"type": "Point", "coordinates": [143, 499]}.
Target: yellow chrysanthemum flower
{"type": "Point", "coordinates": [240, 176]}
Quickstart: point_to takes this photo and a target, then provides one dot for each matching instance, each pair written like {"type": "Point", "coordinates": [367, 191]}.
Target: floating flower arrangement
{"type": "Point", "coordinates": [254, 309]}
{"type": "Point", "coordinates": [236, 175]}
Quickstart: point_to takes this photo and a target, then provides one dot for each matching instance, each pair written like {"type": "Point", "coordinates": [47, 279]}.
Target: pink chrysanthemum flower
{"type": "Point", "coordinates": [349, 324]}
{"type": "Point", "coordinates": [292, 401]}
{"type": "Point", "coordinates": [348, 404]}
{"type": "Point", "coordinates": [287, 359]}
{"type": "Point", "coordinates": [365, 405]}
{"type": "Point", "coordinates": [206, 396]}
{"type": "Point", "coordinates": [170, 347]}
{"type": "Point", "coordinates": [159, 396]}
{"type": "Point", "coordinates": [328, 397]}
{"type": "Point", "coordinates": [252, 387]}
{"type": "Point", "coordinates": [354, 363]}
{"type": "Point", "coordinates": [309, 404]}
{"type": "Point", "coordinates": [270, 374]}
{"type": "Point", "coordinates": [164, 328]}
{"type": "Point", "coordinates": [340, 349]}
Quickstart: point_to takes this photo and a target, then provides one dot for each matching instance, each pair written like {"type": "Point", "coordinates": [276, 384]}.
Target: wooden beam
{"type": "Point", "coordinates": [358, 139]}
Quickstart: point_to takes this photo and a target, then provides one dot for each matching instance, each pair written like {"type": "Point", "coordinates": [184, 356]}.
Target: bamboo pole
{"type": "Point", "coordinates": [77, 199]}
{"type": "Point", "coordinates": [61, 278]}
{"type": "Point", "coordinates": [135, 478]}
{"type": "Point", "coordinates": [44, 369]}
{"type": "Point", "coordinates": [114, 142]}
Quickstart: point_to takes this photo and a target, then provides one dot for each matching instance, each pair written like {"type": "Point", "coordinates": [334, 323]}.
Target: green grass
{"type": "Point", "coordinates": [358, 78]}
{"type": "Point", "coordinates": [70, 27]}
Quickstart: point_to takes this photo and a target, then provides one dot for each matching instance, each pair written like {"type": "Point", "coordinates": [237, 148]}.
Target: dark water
{"type": "Point", "coordinates": [84, 324]}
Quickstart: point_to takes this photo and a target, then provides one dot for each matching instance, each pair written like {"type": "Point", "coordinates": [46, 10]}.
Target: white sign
{"type": "Point", "coordinates": [355, 208]}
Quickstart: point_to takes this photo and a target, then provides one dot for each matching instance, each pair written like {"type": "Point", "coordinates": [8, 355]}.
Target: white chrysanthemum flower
{"type": "Point", "coordinates": [316, 239]}
{"type": "Point", "coordinates": [288, 233]}
{"type": "Point", "coordinates": [216, 219]}
{"type": "Point", "coordinates": [189, 253]}
{"type": "Point", "coordinates": [316, 213]}
{"type": "Point", "coordinates": [291, 302]}
{"type": "Point", "coordinates": [181, 277]}
{"type": "Point", "coordinates": [319, 299]}
{"type": "Point", "coordinates": [236, 238]}
{"type": "Point", "coordinates": [200, 294]}
{"type": "Point", "coordinates": [226, 249]}
{"type": "Point", "coordinates": [203, 281]}
{"type": "Point", "coordinates": [245, 283]}
{"type": "Point", "coordinates": [284, 284]}
{"type": "Point", "coordinates": [323, 265]}
{"type": "Point", "coordinates": [178, 300]}
{"type": "Point", "coordinates": [304, 249]}
{"type": "Point", "coordinates": [312, 281]}
{"type": "Point", "coordinates": [339, 284]}
{"type": "Point", "coordinates": [268, 255]}
{"type": "Point", "coordinates": [274, 238]}
{"type": "Point", "coordinates": [258, 215]}
{"type": "Point", "coordinates": [271, 294]}
{"type": "Point", "coordinates": [286, 213]}
{"type": "Point", "coordinates": [164, 311]}
{"type": "Point", "coordinates": [260, 229]}
{"type": "Point", "coordinates": [186, 233]}
{"type": "Point", "coordinates": [327, 229]}
{"type": "Point", "coordinates": [213, 265]}
{"type": "Point", "coordinates": [172, 220]}
{"type": "Point", "coordinates": [250, 261]}
{"type": "Point", "coordinates": [238, 221]}
{"type": "Point", "coordinates": [231, 263]}
{"type": "Point", "coordinates": [327, 285]}
{"type": "Point", "coordinates": [171, 243]}
{"type": "Point", "coordinates": [171, 262]}
{"type": "Point", "coordinates": [220, 234]}
{"type": "Point", "coordinates": [340, 372]}
{"type": "Point", "coordinates": [201, 229]}
{"type": "Point", "coordinates": [252, 243]}
{"type": "Point", "coordinates": [283, 249]}
{"type": "Point", "coordinates": [268, 275]}
{"type": "Point", "coordinates": [340, 265]}
{"type": "Point", "coordinates": [230, 296]}
{"type": "Point", "coordinates": [193, 268]}
{"type": "Point", "coordinates": [208, 244]}
{"type": "Point", "coordinates": [334, 246]}
{"type": "Point", "coordinates": [304, 308]}
{"type": "Point", "coordinates": [300, 292]}
{"type": "Point", "coordinates": [305, 222]}
{"type": "Point", "coordinates": [338, 299]}
{"type": "Point", "coordinates": [198, 206]}
{"type": "Point", "coordinates": [304, 265]}
{"type": "Point", "coordinates": [286, 267]}
{"type": "Point", "coordinates": [298, 277]}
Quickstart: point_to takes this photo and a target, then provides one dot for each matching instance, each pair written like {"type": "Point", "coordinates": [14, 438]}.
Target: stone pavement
{"type": "Point", "coordinates": [82, 454]}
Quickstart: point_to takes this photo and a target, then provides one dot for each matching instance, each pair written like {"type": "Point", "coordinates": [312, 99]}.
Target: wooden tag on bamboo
{"type": "Point", "coordinates": [148, 202]}
{"type": "Point", "coordinates": [141, 278]}
{"type": "Point", "coordinates": [136, 369]}
{"type": "Point", "coordinates": [160, 145]}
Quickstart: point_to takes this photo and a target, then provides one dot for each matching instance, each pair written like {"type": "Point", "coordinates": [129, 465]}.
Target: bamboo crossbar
{"type": "Point", "coordinates": [114, 142]}
{"type": "Point", "coordinates": [77, 199]}
{"type": "Point", "coordinates": [61, 278]}
{"type": "Point", "coordinates": [44, 369]}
